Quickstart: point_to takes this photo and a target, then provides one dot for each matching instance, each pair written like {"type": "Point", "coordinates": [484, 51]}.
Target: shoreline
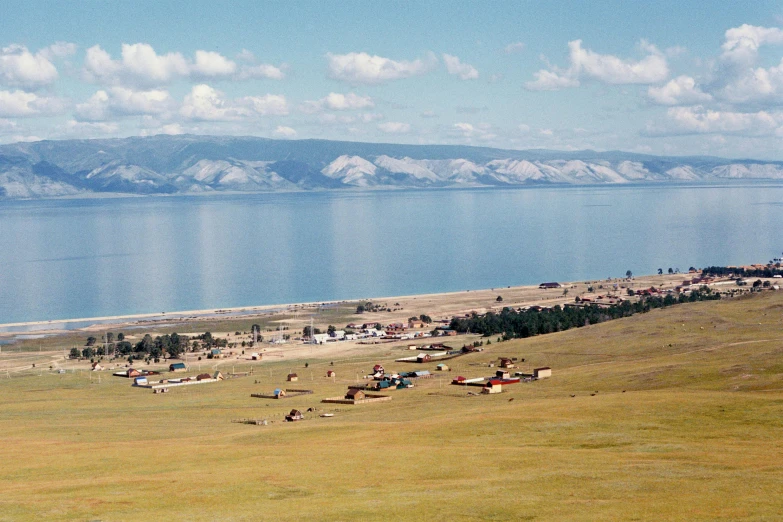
{"type": "Point", "coordinates": [463, 297]}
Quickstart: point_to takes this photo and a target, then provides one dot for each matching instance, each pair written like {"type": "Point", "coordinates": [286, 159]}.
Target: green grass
{"type": "Point", "coordinates": [685, 424]}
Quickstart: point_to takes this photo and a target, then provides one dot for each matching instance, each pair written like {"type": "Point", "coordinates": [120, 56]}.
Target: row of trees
{"type": "Point", "coordinates": [526, 323]}
{"type": "Point", "coordinates": [724, 271]}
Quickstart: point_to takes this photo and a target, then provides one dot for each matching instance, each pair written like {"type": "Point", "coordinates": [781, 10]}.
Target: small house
{"type": "Point", "coordinates": [140, 381]}
{"type": "Point", "coordinates": [218, 376]}
{"type": "Point", "coordinates": [505, 362]}
{"type": "Point", "coordinates": [178, 367]}
{"type": "Point", "coordinates": [442, 367]}
{"type": "Point", "coordinates": [377, 369]}
{"type": "Point", "coordinates": [255, 357]}
{"type": "Point", "coordinates": [404, 383]}
{"type": "Point", "coordinates": [355, 394]}
{"type": "Point", "coordinates": [546, 286]}
{"type": "Point", "coordinates": [459, 380]}
{"type": "Point", "coordinates": [321, 338]}
{"type": "Point", "coordinates": [492, 387]}
{"type": "Point", "coordinates": [96, 367]}
{"type": "Point", "coordinates": [542, 373]}
{"type": "Point", "coordinates": [133, 372]}
{"type": "Point", "coordinates": [423, 357]}
{"type": "Point", "coordinates": [294, 415]}
{"type": "Point", "coordinates": [279, 393]}
{"type": "Point", "coordinates": [330, 373]}
{"type": "Point", "coordinates": [416, 323]}
{"type": "Point", "coordinates": [216, 353]}
{"type": "Point", "coordinates": [501, 374]}
{"type": "Point", "coordinates": [203, 376]}
{"type": "Point", "coordinates": [292, 377]}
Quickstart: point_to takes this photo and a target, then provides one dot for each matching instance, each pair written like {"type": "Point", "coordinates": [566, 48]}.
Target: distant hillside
{"type": "Point", "coordinates": [191, 164]}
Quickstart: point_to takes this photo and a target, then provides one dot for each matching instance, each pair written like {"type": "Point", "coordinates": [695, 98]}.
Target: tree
{"type": "Point", "coordinates": [331, 329]}
{"type": "Point", "coordinates": [499, 299]}
{"type": "Point", "coordinates": [425, 318]}
{"type": "Point", "coordinates": [109, 337]}
{"type": "Point", "coordinates": [120, 336]}
{"type": "Point", "coordinates": [565, 291]}
{"type": "Point", "coordinates": [671, 270]}
{"type": "Point", "coordinates": [74, 353]}
{"type": "Point", "coordinates": [255, 329]}
{"type": "Point", "coordinates": [306, 332]}
{"type": "Point", "coordinates": [630, 292]}
{"type": "Point", "coordinates": [628, 274]}
{"type": "Point", "coordinates": [660, 271]}
{"type": "Point", "coordinates": [360, 309]}
{"type": "Point", "coordinates": [91, 341]}
{"type": "Point", "coordinates": [88, 352]}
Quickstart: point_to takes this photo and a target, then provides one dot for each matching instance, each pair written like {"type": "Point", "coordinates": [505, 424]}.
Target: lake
{"type": "Point", "coordinates": [78, 258]}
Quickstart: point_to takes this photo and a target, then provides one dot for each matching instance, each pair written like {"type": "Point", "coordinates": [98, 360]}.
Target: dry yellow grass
{"type": "Point", "coordinates": [676, 416]}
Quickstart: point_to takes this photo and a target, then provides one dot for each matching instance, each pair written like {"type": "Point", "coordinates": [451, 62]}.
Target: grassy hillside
{"type": "Point", "coordinates": [675, 415]}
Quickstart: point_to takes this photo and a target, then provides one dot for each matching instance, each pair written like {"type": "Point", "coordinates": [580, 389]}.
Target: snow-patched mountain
{"type": "Point", "coordinates": [187, 163]}
{"type": "Point", "coordinates": [230, 175]}
{"type": "Point", "coordinates": [352, 170]}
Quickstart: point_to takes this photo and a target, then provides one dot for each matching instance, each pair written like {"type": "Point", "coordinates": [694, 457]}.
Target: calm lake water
{"type": "Point", "coordinates": [64, 259]}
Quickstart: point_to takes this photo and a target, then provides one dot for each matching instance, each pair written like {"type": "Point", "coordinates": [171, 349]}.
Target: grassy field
{"type": "Point", "coordinates": [672, 415]}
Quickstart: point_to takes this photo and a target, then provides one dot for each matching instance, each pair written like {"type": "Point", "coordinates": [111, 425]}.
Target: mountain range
{"type": "Point", "coordinates": [198, 164]}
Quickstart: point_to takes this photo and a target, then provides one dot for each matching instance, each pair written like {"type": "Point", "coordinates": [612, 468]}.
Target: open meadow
{"type": "Point", "coordinates": [676, 414]}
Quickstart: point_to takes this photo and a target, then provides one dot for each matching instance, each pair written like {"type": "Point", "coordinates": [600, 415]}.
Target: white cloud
{"type": "Point", "coordinates": [20, 103]}
{"type": "Point", "coordinates": [373, 69]}
{"type": "Point", "coordinates": [394, 127]}
{"type": "Point", "coordinates": [742, 43]}
{"type": "Point", "coordinates": [469, 131]}
{"type": "Point", "coordinates": [171, 129]}
{"type": "Point", "coordinates": [523, 128]}
{"type": "Point", "coordinates": [457, 68]}
{"type": "Point", "coordinates": [610, 69]}
{"type": "Point", "coordinates": [210, 63]}
{"type": "Point", "coordinates": [142, 66]}
{"type": "Point", "coordinates": [679, 91]}
{"type": "Point", "coordinates": [605, 68]}
{"type": "Point", "coordinates": [59, 50]}
{"type": "Point", "coordinates": [551, 81]}
{"type": "Point", "coordinates": [141, 61]}
{"type": "Point", "coordinates": [21, 68]}
{"type": "Point", "coordinates": [285, 132]}
{"type": "Point", "coordinates": [120, 101]}
{"type": "Point", "coordinates": [267, 105]}
{"type": "Point", "coordinates": [697, 120]}
{"type": "Point", "coordinates": [756, 85]}
{"type": "Point", "coordinates": [512, 48]}
{"type": "Point", "coordinates": [90, 129]}
{"type": "Point", "coordinates": [338, 102]}
{"type": "Point", "coordinates": [429, 114]}
{"type": "Point", "coordinates": [546, 132]}
{"type": "Point", "coordinates": [206, 103]}
{"type": "Point", "coordinates": [263, 70]}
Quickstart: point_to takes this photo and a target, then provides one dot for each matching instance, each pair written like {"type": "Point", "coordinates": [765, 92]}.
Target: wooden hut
{"type": "Point", "coordinates": [330, 373]}
{"type": "Point", "coordinates": [355, 394]}
{"type": "Point", "coordinates": [542, 373]}
{"type": "Point", "coordinates": [177, 367]}
{"type": "Point", "coordinates": [505, 362]}
{"type": "Point", "coordinates": [492, 387]}
{"type": "Point", "coordinates": [292, 377]}
{"type": "Point", "coordinates": [294, 415]}
{"type": "Point", "coordinates": [442, 367]}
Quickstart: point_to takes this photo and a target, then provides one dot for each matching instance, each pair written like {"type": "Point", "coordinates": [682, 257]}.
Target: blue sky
{"type": "Point", "coordinates": [662, 77]}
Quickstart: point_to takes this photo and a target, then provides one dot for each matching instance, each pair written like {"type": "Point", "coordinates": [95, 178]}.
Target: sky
{"type": "Point", "coordinates": [669, 78]}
